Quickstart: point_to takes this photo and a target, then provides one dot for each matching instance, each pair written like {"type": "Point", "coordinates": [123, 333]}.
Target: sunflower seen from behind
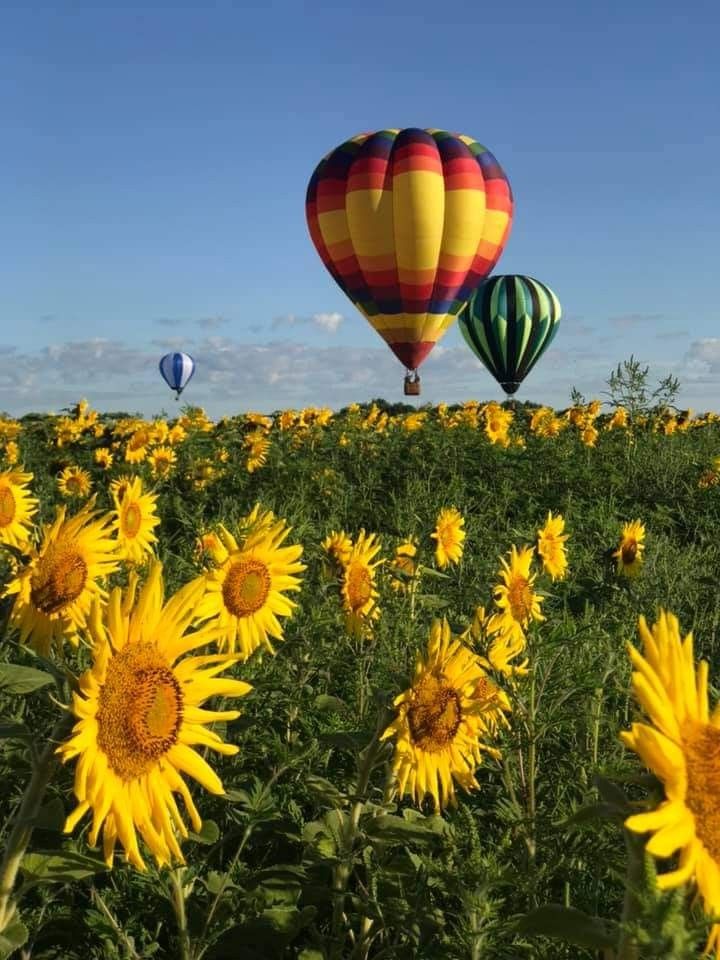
{"type": "Point", "coordinates": [681, 745]}
{"type": "Point", "coordinates": [246, 592]}
{"type": "Point", "coordinates": [55, 589]}
{"type": "Point", "coordinates": [17, 508]}
{"type": "Point", "coordinates": [629, 554]}
{"type": "Point", "coordinates": [449, 536]}
{"type": "Point", "coordinates": [134, 521]}
{"type": "Point", "coordinates": [141, 723]}
{"type": "Point", "coordinates": [444, 720]}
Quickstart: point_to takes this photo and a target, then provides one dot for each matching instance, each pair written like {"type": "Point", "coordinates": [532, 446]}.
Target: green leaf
{"type": "Point", "coordinates": [15, 731]}
{"type": "Point", "coordinates": [326, 703]}
{"type": "Point", "coordinates": [570, 925]}
{"type": "Point", "coordinates": [309, 954]}
{"type": "Point", "coordinates": [209, 833]}
{"type": "Point", "coordinates": [611, 793]}
{"type": "Point", "coordinates": [594, 811]}
{"type": "Point", "coordinates": [12, 938]}
{"type": "Point", "coordinates": [60, 867]}
{"type": "Point", "coordinates": [352, 740]}
{"type": "Point", "coordinates": [51, 816]}
{"type": "Point", "coordinates": [324, 790]}
{"type": "Point", "coordinates": [392, 829]}
{"type": "Point", "coordinates": [15, 679]}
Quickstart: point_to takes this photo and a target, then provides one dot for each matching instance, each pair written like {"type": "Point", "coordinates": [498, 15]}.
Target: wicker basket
{"type": "Point", "coordinates": [412, 387]}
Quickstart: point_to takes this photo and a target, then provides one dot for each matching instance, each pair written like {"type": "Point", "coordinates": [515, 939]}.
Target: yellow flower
{"type": "Point", "coordinates": [338, 546]}
{"type": "Point", "coordinates": [17, 508]}
{"type": "Point", "coordinates": [449, 536]}
{"type": "Point", "coordinates": [551, 547]}
{"type": "Point", "coordinates": [442, 720]}
{"type": "Point", "coordinates": [681, 745]}
{"type": "Point", "coordinates": [629, 554]}
{"type": "Point", "coordinates": [103, 458]}
{"type": "Point", "coordinates": [404, 563]}
{"type": "Point", "coordinates": [246, 592]}
{"type": "Point", "coordinates": [12, 452]}
{"type": "Point", "coordinates": [74, 482]}
{"type": "Point", "coordinates": [162, 461]}
{"type": "Point", "coordinates": [619, 419]}
{"type": "Point", "coordinates": [589, 436]}
{"type": "Point", "coordinates": [55, 589]}
{"type": "Point", "coordinates": [257, 457]}
{"type": "Point", "coordinates": [134, 521]}
{"type": "Point", "coordinates": [358, 588]}
{"type": "Point", "coordinates": [141, 722]}
{"type": "Point", "coordinates": [517, 602]}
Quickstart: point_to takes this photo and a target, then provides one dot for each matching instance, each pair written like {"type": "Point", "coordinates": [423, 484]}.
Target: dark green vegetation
{"type": "Point", "coordinates": [259, 881]}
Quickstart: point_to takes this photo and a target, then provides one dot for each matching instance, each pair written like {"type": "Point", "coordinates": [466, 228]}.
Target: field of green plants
{"type": "Point", "coordinates": [227, 729]}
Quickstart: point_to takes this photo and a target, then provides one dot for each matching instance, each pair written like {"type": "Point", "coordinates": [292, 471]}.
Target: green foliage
{"type": "Point", "coordinates": [629, 389]}
{"type": "Point", "coordinates": [307, 855]}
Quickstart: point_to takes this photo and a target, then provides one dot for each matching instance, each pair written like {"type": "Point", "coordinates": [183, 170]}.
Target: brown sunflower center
{"type": "Point", "coordinates": [60, 578]}
{"type": "Point", "coordinates": [131, 520]}
{"type": "Point", "coordinates": [702, 760]}
{"type": "Point", "coordinates": [7, 506]}
{"type": "Point", "coordinates": [74, 483]}
{"type": "Point", "coordinates": [359, 585]}
{"type": "Point", "coordinates": [434, 714]}
{"type": "Point", "coordinates": [246, 587]}
{"type": "Point", "coordinates": [140, 710]}
{"type": "Point", "coordinates": [520, 597]}
{"type": "Point", "coordinates": [629, 551]}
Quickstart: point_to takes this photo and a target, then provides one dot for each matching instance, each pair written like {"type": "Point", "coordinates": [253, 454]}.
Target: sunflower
{"type": "Point", "coordinates": [358, 584]}
{"type": "Point", "coordinates": [55, 589]}
{"type": "Point", "coordinates": [681, 746]}
{"type": "Point", "coordinates": [515, 597]}
{"type": "Point", "coordinates": [257, 455]}
{"type": "Point", "coordinates": [17, 507]}
{"type": "Point", "coordinates": [12, 452]}
{"type": "Point", "coordinates": [119, 485]}
{"type": "Point", "coordinates": [441, 718]}
{"type": "Point", "coordinates": [74, 482]}
{"type": "Point", "coordinates": [629, 554]}
{"type": "Point", "coordinates": [134, 521]}
{"type": "Point", "coordinates": [338, 546]}
{"type": "Point", "coordinates": [501, 648]}
{"type": "Point", "coordinates": [162, 460]}
{"type": "Point", "coordinates": [405, 564]}
{"type": "Point", "coordinates": [449, 535]}
{"type": "Point", "coordinates": [139, 716]}
{"type": "Point", "coordinates": [103, 458]}
{"type": "Point", "coordinates": [245, 592]}
{"type": "Point", "coordinates": [551, 546]}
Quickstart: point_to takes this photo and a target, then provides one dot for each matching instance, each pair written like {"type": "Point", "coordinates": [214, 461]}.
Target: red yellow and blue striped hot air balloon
{"type": "Point", "coordinates": [508, 324]}
{"type": "Point", "coordinates": [408, 222]}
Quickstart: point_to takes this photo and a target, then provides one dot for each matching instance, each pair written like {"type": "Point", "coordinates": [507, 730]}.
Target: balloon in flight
{"type": "Point", "coordinates": [408, 222]}
{"type": "Point", "coordinates": [177, 369]}
{"type": "Point", "coordinates": [508, 324]}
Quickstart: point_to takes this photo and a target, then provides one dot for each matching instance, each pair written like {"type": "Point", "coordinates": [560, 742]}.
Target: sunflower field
{"type": "Point", "coordinates": [389, 682]}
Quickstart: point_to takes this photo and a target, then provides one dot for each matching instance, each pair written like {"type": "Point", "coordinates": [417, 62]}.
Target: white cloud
{"type": "Point", "coordinates": [211, 323]}
{"type": "Point", "coordinates": [330, 322]}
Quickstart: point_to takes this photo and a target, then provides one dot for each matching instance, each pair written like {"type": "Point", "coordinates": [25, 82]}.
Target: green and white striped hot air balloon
{"type": "Point", "coordinates": [508, 323]}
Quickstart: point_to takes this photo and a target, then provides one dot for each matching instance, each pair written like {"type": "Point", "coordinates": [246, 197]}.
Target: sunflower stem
{"type": "Point", "coordinates": [21, 832]}
{"type": "Point", "coordinates": [178, 902]}
{"type": "Point", "coordinates": [344, 868]}
{"type": "Point", "coordinates": [628, 947]}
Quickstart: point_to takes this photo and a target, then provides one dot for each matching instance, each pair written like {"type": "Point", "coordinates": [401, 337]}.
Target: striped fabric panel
{"type": "Point", "coordinates": [510, 321]}
{"type": "Point", "coordinates": [406, 222]}
{"type": "Point", "coordinates": [177, 369]}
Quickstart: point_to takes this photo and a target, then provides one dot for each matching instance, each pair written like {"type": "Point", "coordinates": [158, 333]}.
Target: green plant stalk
{"type": "Point", "coordinates": [22, 829]}
{"type": "Point", "coordinates": [635, 875]}
{"type": "Point", "coordinates": [178, 902]}
{"type": "Point", "coordinates": [344, 868]}
{"type": "Point", "coordinates": [532, 766]}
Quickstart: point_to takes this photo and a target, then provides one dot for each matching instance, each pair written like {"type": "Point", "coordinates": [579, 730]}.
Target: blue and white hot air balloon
{"type": "Point", "coordinates": [177, 369]}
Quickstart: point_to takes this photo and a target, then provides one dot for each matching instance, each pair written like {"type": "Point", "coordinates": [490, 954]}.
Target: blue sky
{"type": "Point", "coordinates": [154, 162]}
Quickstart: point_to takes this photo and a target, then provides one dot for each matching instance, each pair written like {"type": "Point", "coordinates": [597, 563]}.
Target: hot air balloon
{"type": "Point", "coordinates": [508, 324]}
{"type": "Point", "coordinates": [177, 369]}
{"type": "Point", "coordinates": [408, 222]}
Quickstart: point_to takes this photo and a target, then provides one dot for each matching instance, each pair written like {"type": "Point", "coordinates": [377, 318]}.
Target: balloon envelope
{"type": "Point", "coordinates": [508, 324]}
{"type": "Point", "coordinates": [408, 222]}
{"type": "Point", "coordinates": [177, 369]}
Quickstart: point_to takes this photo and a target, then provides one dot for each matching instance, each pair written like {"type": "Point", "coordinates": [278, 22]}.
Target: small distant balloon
{"type": "Point", "coordinates": [509, 323]}
{"type": "Point", "coordinates": [176, 370]}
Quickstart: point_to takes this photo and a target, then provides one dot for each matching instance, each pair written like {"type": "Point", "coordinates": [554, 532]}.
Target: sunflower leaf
{"type": "Point", "coordinates": [16, 679]}
{"type": "Point", "coordinates": [12, 938]}
{"type": "Point", "coordinates": [209, 833]}
{"type": "Point", "coordinates": [570, 925]}
{"type": "Point", "coordinates": [15, 731]}
{"type": "Point", "coordinates": [60, 867]}
{"type": "Point", "coordinates": [595, 811]}
{"type": "Point", "coordinates": [325, 703]}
